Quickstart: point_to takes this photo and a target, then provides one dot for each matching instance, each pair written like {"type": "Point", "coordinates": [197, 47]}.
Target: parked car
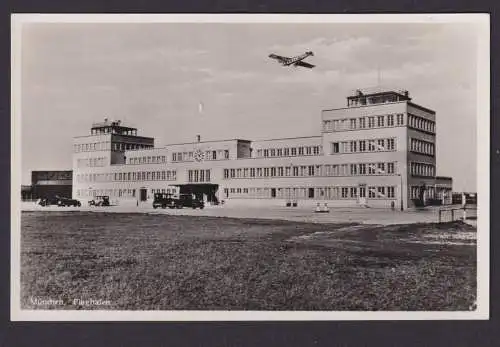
{"type": "Point", "coordinates": [59, 201]}
{"type": "Point", "coordinates": [162, 200]}
{"type": "Point", "coordinates": [186, 200]}
{"type": "Point", "coordinates": [100, 200]}
{"type": "Point", "coordinates": [53, 200]}
{"type": "Point", "coordinates": [69, 202]}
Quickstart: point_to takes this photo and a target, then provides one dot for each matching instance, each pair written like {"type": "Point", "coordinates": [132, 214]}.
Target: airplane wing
{"type": "Point", "coordinates": [278, 57]}
{"type": "Point", "coordinates": [304, 64]}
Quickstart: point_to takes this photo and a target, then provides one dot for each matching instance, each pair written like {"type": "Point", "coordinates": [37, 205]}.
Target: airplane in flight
{"type": "Point", "coordinates": [295, 61]}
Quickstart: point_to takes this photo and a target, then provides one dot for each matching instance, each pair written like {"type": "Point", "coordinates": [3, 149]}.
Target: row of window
{"type": "Point", "coordinates": [421, 123]}
{"type": "Point", "coordinates": [353, 169]}
{"type": "Point", "coordinates": [288, 151]}
{"type": "Point", "coordinates": [147, 160]}
{"type": "Point", "coordinates": [367, 122]}
{"type": "Point", "coordinates": [170, 175]}
{"type": "Point", "coordinates": [422, 169]}
{"type": "Point", "coordinates": [326, 193]}
{"type": "Point", "coordinates": [360, 146]}
{"type": "Point", "coordinates": [92, 162]}
{"type": "Point", "coordinates": [121, 193]}
{"type": "Point", "coordinates": [430, 193]}
{"type": "Point", "coordinates": [106, 146]}
{"type": "Point", "coordinates": [422, 147]}
{"type": "Point", "coordinates": [207, 155]}
{"type": "Point", "coordinates": [198, 175]}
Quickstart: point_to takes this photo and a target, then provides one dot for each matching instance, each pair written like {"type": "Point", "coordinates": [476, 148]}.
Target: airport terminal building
{"type": "Point", "coordinates": [378, 151]}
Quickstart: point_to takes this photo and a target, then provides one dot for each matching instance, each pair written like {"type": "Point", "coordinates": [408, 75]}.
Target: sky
{"type": "Point", "coordinates": [154, 75]}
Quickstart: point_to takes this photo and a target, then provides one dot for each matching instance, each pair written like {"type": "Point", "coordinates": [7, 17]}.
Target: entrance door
{"type": "Point", "coordinates": [273, 192]}
{"type": "Point", "coordinates": [144, 194]}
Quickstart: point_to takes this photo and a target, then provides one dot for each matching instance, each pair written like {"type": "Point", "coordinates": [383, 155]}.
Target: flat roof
{"type": "Point", "coordinates": [385, 103]}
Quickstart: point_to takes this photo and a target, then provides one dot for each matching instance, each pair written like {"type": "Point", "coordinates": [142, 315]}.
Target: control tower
{"type": "Point", "coordinates": [105, 146]}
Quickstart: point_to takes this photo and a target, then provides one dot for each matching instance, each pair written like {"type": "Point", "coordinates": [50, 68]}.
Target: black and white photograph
{"type": "Point", "coordinates": [250, 167]}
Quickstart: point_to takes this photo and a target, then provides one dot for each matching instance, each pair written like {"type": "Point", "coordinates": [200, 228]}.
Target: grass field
{"type": "Point", "coordinates": [165, 262]}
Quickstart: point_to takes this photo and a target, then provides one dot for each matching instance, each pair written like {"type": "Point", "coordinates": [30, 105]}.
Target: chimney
{"type": "Point", "coordinates": [198, 138]}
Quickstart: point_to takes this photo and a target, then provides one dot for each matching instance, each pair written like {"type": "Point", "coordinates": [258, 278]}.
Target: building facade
{"type": "Point", "coordinates": [379, 151]}
{"type": "Point", "coordinates": [49, 183]}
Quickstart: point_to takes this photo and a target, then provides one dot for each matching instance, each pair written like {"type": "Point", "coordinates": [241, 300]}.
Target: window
{"type": "Point", "coordinates": [343, 170]}
{"type": "Point", "coordinates": [311, 193]}
{"type": "Point", "coordinates": [233, 173]}
{"type": "Point", "coordinates": [390, 168]}
{"type": "Point", "coordinates": [316, 150]}
{"type": "Point", "coordinates": [390, 120]}
{"type": "Point", "coordinates": [273, 152]}
{"type": "Point", "coordinates": [371, 122]}
{"type": "Point", "coordinates": [301, 150]}
{"type": "Point", "coordinates": [362, 192]}
{"type": "Point", "coordinates": [280, 171]}
{"type": "Point", "coordinates": [294, 151]}
{"type": "Point", "coordinates": [354, 193]}
{"type": "Point", "coordinates": [344, 147]}
{"type": "Point", "coordinates": [362, 123]}
{"type": "Point", "coordinates": [335, 170]}
{"type": "Point", "coordinates": [266, 153]}
{"type": "Point", "coordinates": [381, 168]}
{"type": "Point", "coordinates": [381, 192]}
{"type": "Point", "coordinates": [371, 169]}
{"type": "Point", "coordinates": [345, 192]}
{"type": "Point", "coordinates": [279, 152]}
{"type": "Point", "coordinates": [362, 169]}
{"type": "Point", "coordinates": [287, 151]}
{"type": "Point", "coordinates": [335, 147]}
{"type": "Point", "coordinates": [353, 146]}
{"type": "Point", "coordinates": [371, 192]}
{"type": "Point", "coordinates": [400, 118]}
{"type": "Point", "coordinates": [308, 150]}
{"type": "Point", "coordinates": [266, 172]}
{"type": "Point", "coordinates": [390, 192]}
{"type": "Point", "coordinates": [380, 121]}
{"type": "Point", "coordinates": [353, 123]}
{"type": "Point", "coordinates": [371, 145]}
{"type": "Point", "coordinates": [295, 171]}
{"type": "Point", "coordinates": [381, 145]}
{"type": "Point", "coordinates": [390, 145]}
{"type": "Point", "coordinates": [362, 146]}
{"type": "Point", "coordinates": [311, 170]}
{"type": "Point", "coordinates": [354, 169]}
{"type": "Point", "coordinates": [252, 172]}
{"type": "Point", "coordinates": [259, 172]}
{"type": "Point", "coordinates": [273, 172]}
{"type": "Point", "coordinates": [226, 154]}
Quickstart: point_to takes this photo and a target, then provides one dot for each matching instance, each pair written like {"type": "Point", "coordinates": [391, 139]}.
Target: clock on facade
{"type": "Point", "coordinates": [198, 155]}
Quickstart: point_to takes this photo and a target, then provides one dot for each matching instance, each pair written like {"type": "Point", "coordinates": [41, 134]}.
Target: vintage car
{"type": "Point", "coordinates": [100, 200]}
{"type": "Point", "coordinates": [186, 200]}
{"type": "Point", "coordinates": [162, 200]}
{"type": "Point", "coordinates": [59, 201]}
